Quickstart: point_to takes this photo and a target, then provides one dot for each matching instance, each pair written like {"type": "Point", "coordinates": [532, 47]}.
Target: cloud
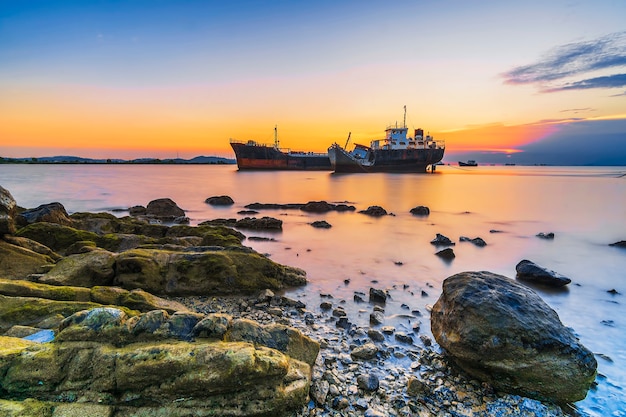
{"type": "Point", "coordinates": [576, 60]}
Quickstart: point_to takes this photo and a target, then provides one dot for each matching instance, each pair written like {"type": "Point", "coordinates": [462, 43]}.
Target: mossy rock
{"type": "Point", "coordinates": [87, 269]}
{"type": "Point", "coordinates": [56, 237]}
{"type": "Point", "coordinates": [17, 262]}
{"type": "Point", "coordinates": [137, 299]}
{"type": "Point", "coordinates": [216, 378]}
{"type": "Point", "coordinates": [30, 311]}
{"type": "Point", "coordinates": [212, 235]}
{"type": "Point", "coordinates": [22, 288]}
{"type": "Point", "coordinates": [208, 272]}
{"type": "Point", "coordinates": [26, 408]}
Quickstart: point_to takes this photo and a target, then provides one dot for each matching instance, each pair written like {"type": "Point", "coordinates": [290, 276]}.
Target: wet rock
{"type": "Point", "coordinates": [375, 211]}
{"type": "Point", "coordinates": [620, 244]}
{"type": "Point", "coordinates": [441, 240]}
{"type": "Point", "coordinates": [476, 241]}
{"type": "Point", "coordinates": [403, 338]}
{"type": "Point", "coordinates": [317, 207]}
{"type": "Point", "coordinates": [326, 305]}
{"type": "Point", "coordinates": [264, 223]}
{"type": "Point", "coordinates": [50, 213]}
{"type": "Point", "coordinates": [531, 272]}
{"type": "Point", "coordinates": [343, 323]}
{"type": "Point", "coordinates": [503, 333]}
{"type": "Point", "coordinates": [613, 291]}
{"type": "Point", "coordinates": [420, 211]}
{"type": "Point", "coordinates": [375, 335]}
{"type": "Point", "coordinates": [376, 318]}
{"type": "Point", "coordinates": [446, 254]}
{"type": "Point", "coordinates": [416, 387]}
{"type": "Point", "coordinates": [547, 236]}
{"type": "Point", "coordinates": [378, 296]}
{"type": "Point", "coordinates": [365, 352]}
{"type": "Point", "coordinates": [321, 224]}
{"type": "Point", "coordinates": [221, 200]}
{"type": "Point", "coordinates": [368, 382]}
{"type": "Point", "coordinates": [164, 209]}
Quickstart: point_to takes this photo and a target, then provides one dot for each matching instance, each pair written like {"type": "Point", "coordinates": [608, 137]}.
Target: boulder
{"type": "Point", "coordinates": [8, 209]}
{"type": "Point", "coordinates": [375, 211]}
{"type": "Point", "coordinates": [503, 333]}
{"type": "Point", "coordinates": [83, 270]}
{"type": "Point", "coordinates": [420, 211]}
{"type": "Point", "coordinates": [222, 200]}
{"type": "Point", "coordinates": [531, 272]}
{"type": "Point", "coordinates": [50, 213]}
{"type": "Point", "coordinates": [204, 271]}
{"type": "Point", "coordinates": [164, 209]}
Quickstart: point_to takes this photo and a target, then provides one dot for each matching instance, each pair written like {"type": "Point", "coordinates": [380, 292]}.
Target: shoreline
{"type": "Point", "coordinates": [403, 378]}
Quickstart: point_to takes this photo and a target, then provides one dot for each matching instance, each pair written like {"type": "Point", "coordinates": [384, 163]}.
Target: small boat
{"type": "Point", "coordinates": [469, 163]}
{"type": "Point", "coordinates": [252, 155]}
{"type": "Point", "coordinates": [395, 153]}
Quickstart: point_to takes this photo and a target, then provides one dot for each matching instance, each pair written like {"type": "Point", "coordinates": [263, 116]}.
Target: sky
{"type": "Point", "coordinates": [161, 78]}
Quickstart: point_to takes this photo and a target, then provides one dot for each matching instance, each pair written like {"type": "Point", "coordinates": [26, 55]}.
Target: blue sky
{"type": "Point", "coordinates": [127, 78]}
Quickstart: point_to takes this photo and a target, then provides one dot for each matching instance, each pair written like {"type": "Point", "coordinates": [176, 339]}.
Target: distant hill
{"type": "Point", "coordinates": [64, 159]}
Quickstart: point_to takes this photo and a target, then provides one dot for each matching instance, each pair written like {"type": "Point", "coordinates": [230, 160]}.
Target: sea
{"type": "Point", "coordinates": [506, 206]}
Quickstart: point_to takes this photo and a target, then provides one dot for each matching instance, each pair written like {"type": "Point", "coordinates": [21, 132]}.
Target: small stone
{"type": "Point", "coordinates": [367, 382]}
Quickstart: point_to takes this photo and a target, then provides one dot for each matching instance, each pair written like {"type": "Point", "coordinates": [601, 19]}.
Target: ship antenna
{"type": "Point", "coordinates": [347, 140]}
{"type": "Point", "coordinates": [404, 117]}
{"type": "Point", "coordinates": [276, 137]}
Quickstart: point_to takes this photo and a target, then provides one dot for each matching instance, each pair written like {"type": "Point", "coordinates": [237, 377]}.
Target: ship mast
{"type": "Point", "coordinates": [404, 123]}
{"type": "Point", "coordinates": [276, 137]}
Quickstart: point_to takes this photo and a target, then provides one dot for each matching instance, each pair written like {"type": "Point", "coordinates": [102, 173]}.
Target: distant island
{"type": "Point", "coordinates": [211, 160]}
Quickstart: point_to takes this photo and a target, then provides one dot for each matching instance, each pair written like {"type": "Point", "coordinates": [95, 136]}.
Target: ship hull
{"type": "Point", "coordinates": [259, 157]}
{"type": "Point", "coordinates": [385, 160]}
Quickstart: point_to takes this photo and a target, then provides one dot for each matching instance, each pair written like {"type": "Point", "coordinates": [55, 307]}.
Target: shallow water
{"type": "Point", "coordinates": [506, 206]}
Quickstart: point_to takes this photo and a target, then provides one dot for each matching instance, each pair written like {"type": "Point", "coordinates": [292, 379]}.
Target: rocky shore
{"type": "Point", "coordinates": [117, 317]}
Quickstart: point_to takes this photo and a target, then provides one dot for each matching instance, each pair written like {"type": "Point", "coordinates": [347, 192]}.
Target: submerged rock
{"type": "Point", "coordinates": [503, 333]}
{"type": "Point", "coordinates": [441, 240]}
{"type": "Point", "coordinates": [375, 211]}
{"type": "Point", "coordinates": [420, 211]}
{"type": "Point", "coordinates": [222, 200]}
{"type": "Point", "coordinates": [531, 272]}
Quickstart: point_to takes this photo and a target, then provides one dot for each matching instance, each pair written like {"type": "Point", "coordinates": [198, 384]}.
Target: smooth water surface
{"type": "Point", "coordinates": [506, 206]}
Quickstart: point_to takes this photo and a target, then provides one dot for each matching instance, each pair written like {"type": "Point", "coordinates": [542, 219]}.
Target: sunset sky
{"type": "Point", "coordinates": [158, 78]}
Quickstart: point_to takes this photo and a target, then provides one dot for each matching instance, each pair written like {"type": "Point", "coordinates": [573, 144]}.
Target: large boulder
{"type": "Point", "coordinates": [50, 213]}
{"type": "Point", "coordinates": [7, 212]}
{"type": "Point", "coordinates": [202, 271]}
{"type": "Point", "coordinates": [503, 333]}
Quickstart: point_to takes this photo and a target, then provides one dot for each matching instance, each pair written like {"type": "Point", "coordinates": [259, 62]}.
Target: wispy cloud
{"type": "Point", "coordinates": [578, 60]}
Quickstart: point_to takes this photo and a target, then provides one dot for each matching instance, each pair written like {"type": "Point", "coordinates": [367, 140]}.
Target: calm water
{"type": "Point", "coordinates": [584, 207]}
